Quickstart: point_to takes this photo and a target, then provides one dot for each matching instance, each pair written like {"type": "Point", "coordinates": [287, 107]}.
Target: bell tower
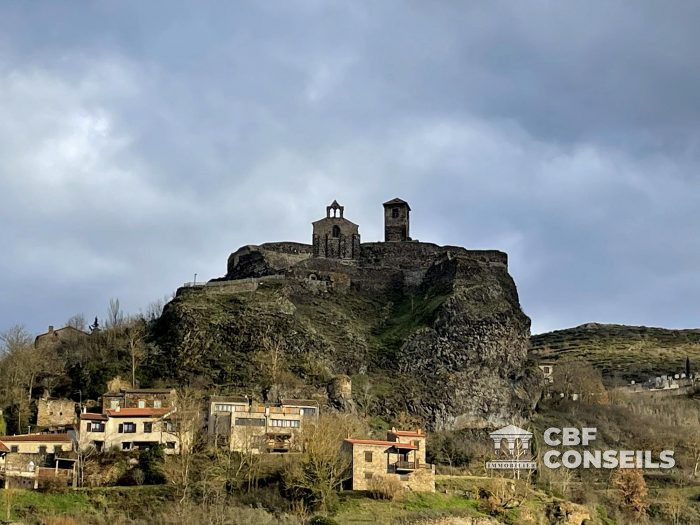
{"type": "Point", "coordinates": [396, 221]}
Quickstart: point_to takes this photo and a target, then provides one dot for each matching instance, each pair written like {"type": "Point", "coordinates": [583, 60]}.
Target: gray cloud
{"type": "Point", "coordinates": [142, 143]}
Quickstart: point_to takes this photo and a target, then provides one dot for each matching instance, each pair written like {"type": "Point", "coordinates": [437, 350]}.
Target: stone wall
{"type": "Point", "coordinates": [54, 413]}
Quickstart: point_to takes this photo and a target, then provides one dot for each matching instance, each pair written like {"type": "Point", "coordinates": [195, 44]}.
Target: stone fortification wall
{"type": "Point", "coordinates": [421, 255]}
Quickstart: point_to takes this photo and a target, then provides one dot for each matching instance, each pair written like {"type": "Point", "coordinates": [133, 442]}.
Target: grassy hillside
{"type": "Point", "coordinates": [622, 352]}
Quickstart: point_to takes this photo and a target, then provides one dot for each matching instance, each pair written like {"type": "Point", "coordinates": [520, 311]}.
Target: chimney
{"type": "Point", "coordinates": [118, 408]}
{"type": "Point", "coordinates": [83, 410]}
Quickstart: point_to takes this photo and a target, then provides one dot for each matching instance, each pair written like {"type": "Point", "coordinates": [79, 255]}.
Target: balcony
{"type": "Point", "coordinates": [410, 466]}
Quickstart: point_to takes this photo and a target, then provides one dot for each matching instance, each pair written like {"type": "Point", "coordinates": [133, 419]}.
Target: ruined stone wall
{"type": "Point", "coordinates": [55, 413]}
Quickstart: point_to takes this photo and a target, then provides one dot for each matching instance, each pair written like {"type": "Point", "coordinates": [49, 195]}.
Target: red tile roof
{"type": "Point", "coordinates": [48, 438]}
{"type": "Point", "coordinates": [139, 412]}
{"type": "Point", "coordinates": [3, 448]}
{"type": "Point", "coordinates": [382, 443]}
{"type": "Point", "coordinates": [91, 416]}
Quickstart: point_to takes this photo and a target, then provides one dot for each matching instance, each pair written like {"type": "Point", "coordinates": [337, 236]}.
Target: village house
{"type": "Point", "coordinates": [27, 460]}
{"type": "Point", "coordinates": [132, 419]}
{"type": "Point", "coordinates": [400, 456]}
{"type": "Point", "coordinates": [246, 426]}
{"type": "Point", "coordinates": [130, 429]}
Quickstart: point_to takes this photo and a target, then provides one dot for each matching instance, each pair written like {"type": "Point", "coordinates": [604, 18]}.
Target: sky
{"type": "Point", "coordinates": [143, 142]}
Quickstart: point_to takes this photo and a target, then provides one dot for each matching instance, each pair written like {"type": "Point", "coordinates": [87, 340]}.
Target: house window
{"type": "Point", "coordinates": [42, 450]}
{"type": "Point", "coordinates": [368, 457]}
{"type": "Point", "coordinates": [308, 411]}
{"type": "Point", "coordinates": [157, 403]}
{"type": "Point", "coordinates": [287, 423]}
{"type": "Point", "coordinates": [336, 231]}
{"type": "Point", "coordinates": [170, 426]}
{"type": "Point", "coordinates": [170, 444]}
{"type": "Point", "coordinates": [126, 445]}
{"type": "Point", "coordinates": [148, 428]}
{"type": "Point", "coordinates": [127, 428]}
{"type": "Point", "coordinates": [250, 421]}
{"type": "Point", "coordinates": [57, 449]}
{"type": "Point", "coordinates": [14, 448]}
{"type": "Point", "coordinates": [394, 213]}
{"type": "Point", "coordinates": [230, 407]}
{"type": "Point", "coordinates": [96, 426]}
{"type": "Point", "coordinates": [142, 403]}
{"type": "Point", "coordinates": [368, 475]}
{"type": "Point", "coordinates": [114, 404]}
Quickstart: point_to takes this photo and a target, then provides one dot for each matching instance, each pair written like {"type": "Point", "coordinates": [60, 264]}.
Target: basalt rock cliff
{"type": "Point", "coordinates": [434, 332]}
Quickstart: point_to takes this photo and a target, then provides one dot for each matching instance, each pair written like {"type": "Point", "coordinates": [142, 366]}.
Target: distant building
{"type": "Point", "coordinates": [335, 237]}
{"type": "Point", "coordinates": [243, 425]}
{"type": "Point", "coordinates": [54, 338]}
{"type": "Point", "coordinates": [400, 456]}
{"type": "Point", "coordinates": [548, 371]}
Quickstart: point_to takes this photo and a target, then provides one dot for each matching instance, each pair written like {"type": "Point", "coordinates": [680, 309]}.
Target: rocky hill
{"type": "Point", "coordinates": [622, 352]}
{"type": "Point", "coordinates": [427, 330]}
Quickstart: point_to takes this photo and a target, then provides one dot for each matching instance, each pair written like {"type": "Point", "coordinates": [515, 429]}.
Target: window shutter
{"type": "Point", "coordinates": [121, 428]}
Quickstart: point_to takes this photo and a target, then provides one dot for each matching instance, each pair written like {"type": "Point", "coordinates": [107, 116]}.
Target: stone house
{"type": "Point", "coordinates": [246, 426]}
{"type": "Point", "coordinates": [53, 338]}
{"type": "Point", "coordinates": [400, 456]}
{"type": "Point", "coordinates": [130, 429]}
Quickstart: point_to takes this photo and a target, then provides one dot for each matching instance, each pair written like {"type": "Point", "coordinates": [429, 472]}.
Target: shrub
{"type": "Point", "coordinates": [384, 487]}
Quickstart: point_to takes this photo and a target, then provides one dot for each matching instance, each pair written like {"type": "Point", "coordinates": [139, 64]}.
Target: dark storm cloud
{"type": "Point", "coordinates": [143, 142]}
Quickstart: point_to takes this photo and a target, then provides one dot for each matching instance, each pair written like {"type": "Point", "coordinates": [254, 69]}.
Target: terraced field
{"type": "Point", "coordinates": [622, 352]}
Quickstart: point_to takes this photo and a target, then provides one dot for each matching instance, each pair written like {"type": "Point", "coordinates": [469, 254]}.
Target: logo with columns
{"type": "Point", "coordinates": [513, 443]}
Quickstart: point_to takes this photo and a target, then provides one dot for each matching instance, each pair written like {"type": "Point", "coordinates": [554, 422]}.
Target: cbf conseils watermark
{"type": "Point", "coordinates": [512, 446]}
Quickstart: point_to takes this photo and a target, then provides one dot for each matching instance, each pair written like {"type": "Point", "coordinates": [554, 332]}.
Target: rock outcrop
{"type": "Point", "coordinates": [435, 331]}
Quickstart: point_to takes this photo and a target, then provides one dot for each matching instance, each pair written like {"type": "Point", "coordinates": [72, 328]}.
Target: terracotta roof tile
{"type": "Point", "coordinates": [91, 416]}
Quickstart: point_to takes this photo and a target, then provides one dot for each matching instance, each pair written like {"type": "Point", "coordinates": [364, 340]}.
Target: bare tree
{"type": "Point", "coordinates": [577, 377]}
{"type": "Point", "coordinates": [322, 467]}
{"type": "Point", "coordinates": [78, 322]}
{"type": "Point", "coordinates": [135, 332]}
{"type": "Point", "coordinates": [13, 338]}
{"type": "Point", "coordinates": [115, 315]}
{"type": "Point", "coordinates": [186, 420]}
